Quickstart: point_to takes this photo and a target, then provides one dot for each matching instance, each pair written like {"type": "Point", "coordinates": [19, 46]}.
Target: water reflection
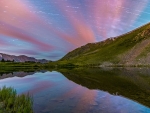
{"type": "Point", "coordinates": [9, 74]}
{"type": "Point", "coordinates": [54, 93]}
{"type": "Point", "coordinates": [133, 83]}
{"type": "Point", "coordinates": [17, 74]}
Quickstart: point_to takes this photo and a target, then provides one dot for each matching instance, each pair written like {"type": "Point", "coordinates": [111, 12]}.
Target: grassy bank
{"type": "Point", "coordinates": [18, 66]}
{"type": "Point", "coordinates": [10, 102]}
{"type": "Point", "coordinates": [64, 64]}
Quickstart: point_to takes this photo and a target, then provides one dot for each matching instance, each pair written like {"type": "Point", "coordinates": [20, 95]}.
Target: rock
{"type": "Point", "coordinates": [1, 105]}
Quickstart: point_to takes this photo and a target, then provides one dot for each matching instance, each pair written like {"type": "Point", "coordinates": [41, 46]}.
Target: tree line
{"type": "Point", "coordinates": [3, 60]}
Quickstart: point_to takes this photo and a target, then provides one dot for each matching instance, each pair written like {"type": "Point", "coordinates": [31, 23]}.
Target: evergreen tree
{"type": "Point", "coordinates": [2, 60]}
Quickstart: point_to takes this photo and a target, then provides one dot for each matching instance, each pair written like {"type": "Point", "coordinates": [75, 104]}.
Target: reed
{"type": "Point", "coordinates": [10, 102]}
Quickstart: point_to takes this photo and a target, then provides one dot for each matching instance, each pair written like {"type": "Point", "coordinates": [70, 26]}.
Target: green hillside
{"type": "Point", "coordinates": [132, 48]}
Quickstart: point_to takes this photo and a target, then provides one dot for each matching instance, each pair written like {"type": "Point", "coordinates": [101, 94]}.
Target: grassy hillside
{"type": "Point", "coordinates": [132, 48]}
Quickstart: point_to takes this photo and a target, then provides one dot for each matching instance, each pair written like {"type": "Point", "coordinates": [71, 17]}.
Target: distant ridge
{"type": "Point", "coordinates": [21, 58]}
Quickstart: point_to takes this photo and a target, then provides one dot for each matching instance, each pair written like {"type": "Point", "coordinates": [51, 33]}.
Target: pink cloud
{"type": "Point", "coordinates": [112, 13]}
{"type": "Point", "coordinates": [19, 34]}
{"type": "Point", "coordinates": [12, 18]}
{"type": "Point", "coordinates": [12, 26]}
{"type": "Point", "coordinates": [83, 33]}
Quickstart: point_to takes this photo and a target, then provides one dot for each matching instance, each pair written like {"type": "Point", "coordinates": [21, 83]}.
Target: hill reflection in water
{"type": "Point", "coordinates": [86, 91]}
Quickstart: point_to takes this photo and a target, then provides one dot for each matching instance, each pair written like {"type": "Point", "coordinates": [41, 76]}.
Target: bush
{"type": "Point", "coordinates": [10, 102]}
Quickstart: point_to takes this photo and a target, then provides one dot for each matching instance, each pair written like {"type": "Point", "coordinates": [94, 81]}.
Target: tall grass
{"type": "Point", "coordinates": [10, 102]}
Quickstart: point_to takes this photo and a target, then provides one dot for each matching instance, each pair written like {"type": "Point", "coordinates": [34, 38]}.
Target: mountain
{"type": "Point", "coordinates": [21, 58]}
{"type": "Point", "coordinates": [43, 61]}
{"type": "Point", "coordinates": [132, 48]}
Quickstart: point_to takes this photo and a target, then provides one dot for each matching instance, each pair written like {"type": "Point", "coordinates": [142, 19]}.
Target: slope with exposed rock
{"type": "Point", "coordinates": [132, 48]}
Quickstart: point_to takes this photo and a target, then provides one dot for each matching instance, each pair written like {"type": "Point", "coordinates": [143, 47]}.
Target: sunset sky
{"type": "Point", "coordinates": [51, 28]}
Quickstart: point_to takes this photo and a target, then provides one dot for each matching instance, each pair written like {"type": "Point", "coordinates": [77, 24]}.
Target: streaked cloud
{"type": "Point", "coordinates": [63, 25]}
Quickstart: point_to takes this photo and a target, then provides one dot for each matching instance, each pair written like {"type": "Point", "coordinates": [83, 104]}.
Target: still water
{"type": "Point", "coordinates": [53, 92]}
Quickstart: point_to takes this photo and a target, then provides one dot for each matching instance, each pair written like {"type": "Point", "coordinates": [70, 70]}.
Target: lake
{"type": "Point", "coordinates": [107, 90]}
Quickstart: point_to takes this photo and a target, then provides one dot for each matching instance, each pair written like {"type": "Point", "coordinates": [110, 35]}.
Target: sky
{"type": "Point", "coordinates": [51, 28]}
